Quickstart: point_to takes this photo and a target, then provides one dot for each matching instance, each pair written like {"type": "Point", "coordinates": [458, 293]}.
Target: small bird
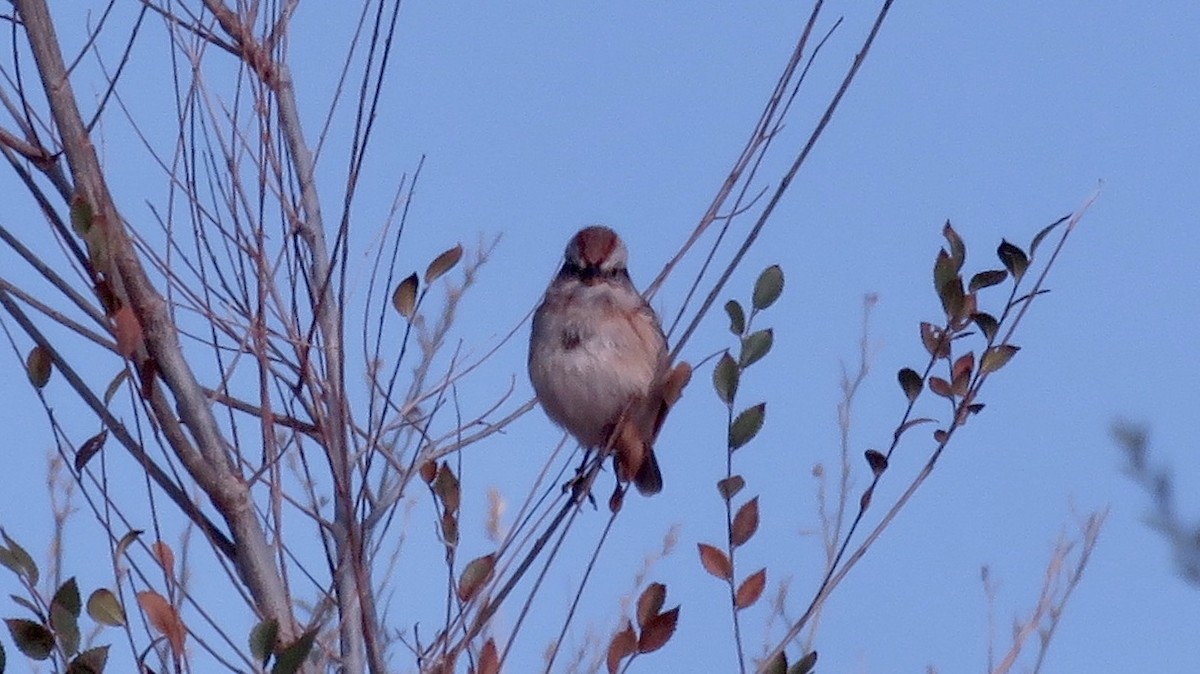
{"type": "Point", "coordinates": [598, 358]}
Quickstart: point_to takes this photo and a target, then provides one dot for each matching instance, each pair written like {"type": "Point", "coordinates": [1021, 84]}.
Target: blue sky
{"type": "Point", "coordinates": [535, 121]}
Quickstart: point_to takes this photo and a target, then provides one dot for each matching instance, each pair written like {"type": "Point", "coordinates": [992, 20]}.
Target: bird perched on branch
{"type": "Point", "coordinates": [598, 358]}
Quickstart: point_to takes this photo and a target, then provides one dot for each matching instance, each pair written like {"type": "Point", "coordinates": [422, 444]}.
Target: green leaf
{"type": "Point", "coordinates": [944, 270]}
{"type": "Point", "coordinates": [38, 366]}
{"type": "Point", "coordinates": [475, 576]}
{"type": "Point", "coordinates": [755, 346]}
{"type": "Point", "coordinates": [998, 356]}
{"type": "Point", "coordinates": [910, 383]}
{"type": "Point", "coordinates": [805, 664]}
{"type": "Point", "coordinates": [91, 661]}
{"type": "Point", "coordinates": [443, 263]}
{"type": "Point", "coordinates": [1013, 258]}
{"type": "Point", "coordinates": [777, 665]}
{"type": "Point", "coordinates": [958, 250]}
{"type": "Point", "coordinates": [768, 287]}
{"type": "Point", "coordinates": [104, 608]}
{"type": "Point", "coordinates": [21, 563]}
{"type": "Point", "coordinates": [262, 639]}
{"type": "Point", "coordinates": [986, 279]}
{"type": "Point", "coordinates": [67, 596]}
{"type": "Point", "coordinates": [737, 317]}
{"type": "Point", "coordinates": [32, 639]}
{"type": "Point", "coordinates": [404, 297]}
{"type": "Point", "coordinates": [747, 425]}
{"type": "Point", "coordinates": [66, 629]}
{"type": "Point", "coordinates": [292, 658]}
{"type": "Point", "coordinates": [725, 378]}
{"type": "Point", "coordinates": [987, 325]}
{"type": "Point", "coordinates": [952, 297]}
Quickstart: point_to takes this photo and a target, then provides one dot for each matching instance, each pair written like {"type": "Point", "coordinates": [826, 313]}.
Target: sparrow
{"type": "Point", "coordinates": [598, 358]}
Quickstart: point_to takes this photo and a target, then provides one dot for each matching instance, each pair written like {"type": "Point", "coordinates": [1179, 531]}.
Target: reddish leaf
{"type": "Point", "coordinates": [715, 561]}
{"type": "Point", "coordinates": [935, 341]}
{"type": "Point", "coordinates": [127, 331]}
{"type": "Point", "coordinates": [164, 618]}
{"type": "Point", "coordinates": [730, 486]}
{"type": "Point", "coordinates": [658, 631]}
{"type": "Point", "coordinates": [446, 486]}
{"type": "Point", "coordinates": [650, 603]}
{"type": "Point", "coordinates": [623, 644]}
{"type": "Point", "coordinates": [745, 522]}
{"type": "Point", "coordinates": [165, 556]}
{"type": "Point", "coordinates": [865, 501]}
{"type": "Point", "coordinates": [961, 373]}
{"type": "Point", "coordinates": [941, 387]}
{"type": "Point", "coordinates": [750, 589]}
{"type": "Point", "coordinates": [429, 471]}
{"type": "Point", "coordinates": [489, 659]}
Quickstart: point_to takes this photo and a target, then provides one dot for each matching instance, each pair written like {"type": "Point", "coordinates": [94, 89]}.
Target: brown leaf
{"type": "Point", "coordinates": [730, 486]}
{"type": "Point", "coordinates": [38, 366]}
{"type": "Point", "coordinates": [127, 330]}
{"type": "Point", "coordinates": [489, 659]}
{"type": "Point", "coordinates": [475, 576]}
{"type": "Point", "coordinates": [658, 631]}
{"type": "Point", "coordinates": [443, 263]}
{"type": "Point", "coordinates": [935, 340]}
{"type": "Point", "coordinates": [750, 589]}
{"type": "Point", "coordinates": [877, 461]}
{"type": "Point", "coordinates": [404, 297]}
{"type": "Point", "coordinates": [650, 603]}
{"type": "Point", "coordinates": [910, 382]}
{"type": "Point", "coordinates": [165, 556]}
{"type": "Point", "coordinates": [446, 486]}
{"type": "Point", "coordinates": [865, 501]}
{"type": "Point", "coordinates": [164, 618]}
{"type": "Point", "coordinates": [745, 522]}
{"type": "Point", "coordinates": [429, 470]}
{"type": "Point", "coordinates": [88, 449]}
{"type": "Point", "coordinates": [623, 644]}
{"type": "Point", "coordinates": [961, 373]}
{"type": "Point", "coordinates": [715, 561]}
